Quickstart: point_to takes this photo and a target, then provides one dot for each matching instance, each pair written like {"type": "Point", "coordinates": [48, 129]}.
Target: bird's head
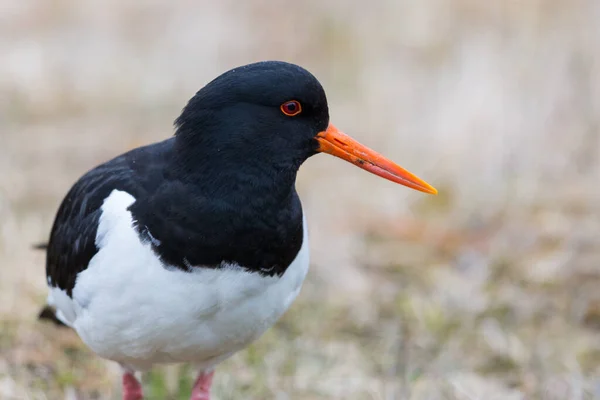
{"type": "Point", "coordinates": [274, 115]}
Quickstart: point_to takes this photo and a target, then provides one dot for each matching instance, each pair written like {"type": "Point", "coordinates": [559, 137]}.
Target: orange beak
{"type": "Point", "coordinates": [337, 143]}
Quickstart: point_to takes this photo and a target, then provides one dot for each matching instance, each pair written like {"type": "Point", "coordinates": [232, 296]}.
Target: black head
{"type": "Point", "coordinates": [263, 121]}
{"type": "Point", "coordinates": [263, 114]}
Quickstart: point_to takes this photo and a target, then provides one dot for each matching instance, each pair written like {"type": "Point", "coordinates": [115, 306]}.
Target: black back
{"type": "Point", "coordinates": [72, 238]}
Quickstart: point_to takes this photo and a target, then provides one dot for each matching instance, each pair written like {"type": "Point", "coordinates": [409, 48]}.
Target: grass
{"type": "Point", "coordinates": [487, 291]}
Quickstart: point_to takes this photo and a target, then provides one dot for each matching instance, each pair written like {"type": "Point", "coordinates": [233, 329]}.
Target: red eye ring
{"type": "Point", "coordinates": [291, 108]}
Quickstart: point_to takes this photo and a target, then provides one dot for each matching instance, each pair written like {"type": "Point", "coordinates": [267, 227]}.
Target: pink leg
{"type": "Point", "coordinates": [132, 390]}
{"type": "Point", "coordinates": [201, 390]}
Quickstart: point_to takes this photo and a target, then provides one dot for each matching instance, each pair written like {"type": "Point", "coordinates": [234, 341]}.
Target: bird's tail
{"type": "Point", "coordinates": [40, 246]}
{"type": "Point", "coordinates": [48, 313]}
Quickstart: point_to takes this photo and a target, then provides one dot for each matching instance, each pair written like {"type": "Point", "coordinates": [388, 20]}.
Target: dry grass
{"type": "Point", "coordinates": [488, 291]}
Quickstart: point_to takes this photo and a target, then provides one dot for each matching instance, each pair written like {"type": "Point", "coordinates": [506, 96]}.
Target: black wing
{"type": "Point", "coordinates": [73, 236]}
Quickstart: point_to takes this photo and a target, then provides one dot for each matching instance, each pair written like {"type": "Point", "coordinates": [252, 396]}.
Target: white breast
{"type": "Point", "coordinates": [128, 307]}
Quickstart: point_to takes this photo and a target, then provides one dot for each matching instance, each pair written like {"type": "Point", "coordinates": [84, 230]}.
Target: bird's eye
{"type": "Point", "coordinates": [291, 108]}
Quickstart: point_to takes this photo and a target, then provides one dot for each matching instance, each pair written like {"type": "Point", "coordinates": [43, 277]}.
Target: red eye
{"type": "Point", "coordinates": [291, 108]}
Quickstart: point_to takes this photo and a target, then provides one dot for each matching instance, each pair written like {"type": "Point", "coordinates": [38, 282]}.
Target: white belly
{"type": "Point", "coordinates": [129, 308]}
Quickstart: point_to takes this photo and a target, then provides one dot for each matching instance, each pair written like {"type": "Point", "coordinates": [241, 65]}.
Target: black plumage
{"type": "Point", "coordinates": [220, 191]}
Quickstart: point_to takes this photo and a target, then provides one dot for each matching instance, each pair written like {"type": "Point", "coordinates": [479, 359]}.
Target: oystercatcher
{"type": "Point", "coordinates": [189, 249]}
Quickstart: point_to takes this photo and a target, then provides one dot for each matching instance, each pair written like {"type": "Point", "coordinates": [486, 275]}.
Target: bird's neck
{"type": "Point", "coordinates": [244, 177]}
{"type": "Point", "coordinates": [242, 185]}
{"type": "Point", "coordinates": [216, 211]}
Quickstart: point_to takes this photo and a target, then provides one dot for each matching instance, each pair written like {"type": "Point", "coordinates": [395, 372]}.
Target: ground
{"type": "Point", "coordinates": [487, 291]}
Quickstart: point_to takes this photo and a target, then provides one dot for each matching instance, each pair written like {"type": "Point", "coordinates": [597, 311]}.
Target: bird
{"type": "Point", "coordinates": [188, 249]}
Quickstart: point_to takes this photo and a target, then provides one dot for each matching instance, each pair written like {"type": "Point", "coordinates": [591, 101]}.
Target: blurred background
{"type": "Point", "coordinates": [490, 290]}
